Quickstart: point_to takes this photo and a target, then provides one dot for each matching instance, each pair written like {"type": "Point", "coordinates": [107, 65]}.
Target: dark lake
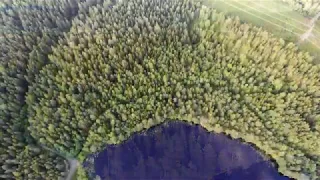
{"type": "Point", "coordinates": [177, 150]}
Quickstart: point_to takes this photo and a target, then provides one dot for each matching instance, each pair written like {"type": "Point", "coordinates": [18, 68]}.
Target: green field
{"type": "Point", "coordinates": [275, 17]}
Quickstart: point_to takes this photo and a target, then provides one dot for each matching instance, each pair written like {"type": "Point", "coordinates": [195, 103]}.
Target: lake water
{"type": "Point", "coordinates": [177, 151]}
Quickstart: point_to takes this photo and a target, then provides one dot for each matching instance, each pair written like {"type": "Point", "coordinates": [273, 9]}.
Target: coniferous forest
{"type": "Point", "coordinates": [77, 75]}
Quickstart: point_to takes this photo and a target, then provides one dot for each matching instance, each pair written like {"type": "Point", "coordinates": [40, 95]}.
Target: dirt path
{"type": "Point", "coordinates": [73, 165]}
{"type": "Point", "coordinates": [311, 25]}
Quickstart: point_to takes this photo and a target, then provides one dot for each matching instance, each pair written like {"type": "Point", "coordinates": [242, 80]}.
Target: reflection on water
{"type": "Point", "coordinates": [181, 151]}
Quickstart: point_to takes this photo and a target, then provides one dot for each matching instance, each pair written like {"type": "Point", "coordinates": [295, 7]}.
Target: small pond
{"type": "Point", "coordinates": [177, 150]}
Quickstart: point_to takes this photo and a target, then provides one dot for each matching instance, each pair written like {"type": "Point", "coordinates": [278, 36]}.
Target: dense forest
{"type": "Point", "coordinates": [76, 75]}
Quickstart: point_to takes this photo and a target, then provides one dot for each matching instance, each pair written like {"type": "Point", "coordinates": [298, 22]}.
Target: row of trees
{"type": "Point", "coordinates": [306, 7]}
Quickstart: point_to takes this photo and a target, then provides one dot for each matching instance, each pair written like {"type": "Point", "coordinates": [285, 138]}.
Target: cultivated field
{"type": "Point", "coordinates": [276, 17]}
